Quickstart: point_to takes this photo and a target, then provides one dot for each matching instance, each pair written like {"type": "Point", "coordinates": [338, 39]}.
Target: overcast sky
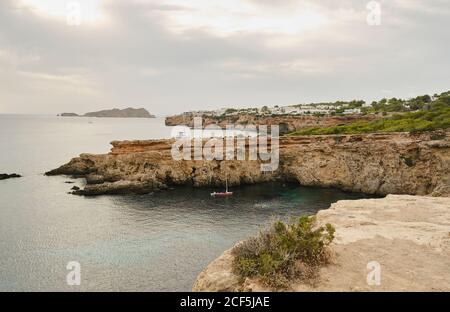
{"type": "Point", "coordinates": [178, 55]}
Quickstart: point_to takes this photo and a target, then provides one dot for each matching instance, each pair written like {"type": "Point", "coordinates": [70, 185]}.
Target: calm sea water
{"type": "Point", "coordinates": [154, 242]}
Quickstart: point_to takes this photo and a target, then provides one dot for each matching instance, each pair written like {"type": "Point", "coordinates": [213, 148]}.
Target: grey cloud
{"type": "Point", "coordinates": [137, 61]}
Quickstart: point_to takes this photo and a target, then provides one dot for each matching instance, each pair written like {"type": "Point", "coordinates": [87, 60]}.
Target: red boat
{"type": "Point", "coordinates": [222, 194]}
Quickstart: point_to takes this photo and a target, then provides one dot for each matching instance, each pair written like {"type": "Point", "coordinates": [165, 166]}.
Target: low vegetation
{"type": "Point", "coordinates": [432, 113]}
{"type": "Point", "coordinates": [283, 253]}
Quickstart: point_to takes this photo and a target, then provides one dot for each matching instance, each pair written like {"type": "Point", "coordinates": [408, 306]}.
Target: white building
{"type": "Point", "coordinates": [350, 111]}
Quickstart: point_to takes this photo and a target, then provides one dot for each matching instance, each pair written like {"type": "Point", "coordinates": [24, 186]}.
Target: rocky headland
{"type": "Point", "coordinates": [387, 163]}
{"type": "Point", "coordinates": [286, 123]}
{"type": "Point", "coordinates": [115, 113]}
{"type": "Point", "coordinates": [4, 176]}
{"type": "Point", "coordinates": [407, 236]}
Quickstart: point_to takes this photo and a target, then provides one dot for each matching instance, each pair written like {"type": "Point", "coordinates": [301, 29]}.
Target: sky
{"type": "Point", "coordinates": [179, 55]}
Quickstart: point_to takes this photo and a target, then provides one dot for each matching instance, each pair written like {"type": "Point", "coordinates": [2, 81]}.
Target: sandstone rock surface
{"type": "Point", "coordinates": [409, 236]}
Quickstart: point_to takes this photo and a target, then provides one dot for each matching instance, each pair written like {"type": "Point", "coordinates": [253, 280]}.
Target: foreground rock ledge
{"type": "Point", "coordinates": [408, 235]}
{"type": "Point", "coordinates": [384, 163]}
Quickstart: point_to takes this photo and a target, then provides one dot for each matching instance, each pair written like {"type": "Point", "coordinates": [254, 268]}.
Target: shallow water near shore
{"type": "Point", "coordinates": [153, 242]}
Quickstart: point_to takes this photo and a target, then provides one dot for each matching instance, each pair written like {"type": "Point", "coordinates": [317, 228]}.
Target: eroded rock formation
{"type": "Point", "coordinates": [407, 236]}
{"type": "Point", "coordinates": [395, 163]}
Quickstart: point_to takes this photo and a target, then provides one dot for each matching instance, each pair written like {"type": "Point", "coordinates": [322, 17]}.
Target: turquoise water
{"type": "Point", "coordinates": [152, 242]}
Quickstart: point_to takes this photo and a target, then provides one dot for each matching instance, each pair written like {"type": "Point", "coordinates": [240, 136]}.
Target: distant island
{"type": "Point", "coordinates": [4, 176]}
{"type": "Point", "coordinates": [115, 113]}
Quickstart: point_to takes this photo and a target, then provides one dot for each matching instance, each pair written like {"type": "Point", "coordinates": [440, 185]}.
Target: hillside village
{"type": "Point", "coordinates": [300, 109]}
{"type": "Point", "coordinates": [322, 109]}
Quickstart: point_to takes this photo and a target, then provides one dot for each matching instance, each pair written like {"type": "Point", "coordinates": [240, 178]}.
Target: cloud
{"type": "Point", "coordinates": [172, 56]}
{"type": "Point", "coordinates": [223, 18]}
{"type": "Point", "coordinates": [89, 10]}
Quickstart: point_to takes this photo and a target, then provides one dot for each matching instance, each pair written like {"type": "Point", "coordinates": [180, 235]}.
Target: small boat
{"type": "Point", "coordinates": [223, 194]}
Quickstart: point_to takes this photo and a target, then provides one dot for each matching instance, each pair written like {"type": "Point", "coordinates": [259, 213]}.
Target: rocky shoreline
{"type": "Point", "coordinates": [386, 163]}
{"type": "Point", "coordinates": [407, 236]}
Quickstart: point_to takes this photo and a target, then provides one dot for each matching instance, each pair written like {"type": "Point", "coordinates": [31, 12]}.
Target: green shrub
{"type": "Point", "coordinates": [284, 252]}
{"type": "Point", "coordinates": [432, 116]}
{"type": "Point", "coordinates": [438, 118]}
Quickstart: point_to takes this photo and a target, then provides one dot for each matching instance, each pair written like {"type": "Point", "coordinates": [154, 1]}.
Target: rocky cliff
{"type": "Point", "coordinates": [395, 163]}
{"type": "Point", "coordinates": [286, 123]}
{"type": "Point", "coordinates": [406, 237]}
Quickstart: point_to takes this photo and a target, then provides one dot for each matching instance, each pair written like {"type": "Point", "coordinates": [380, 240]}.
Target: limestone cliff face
{"type": "Point", "coordinates": [145, 166]}
{"type": "Point", "coordinates": [407, 236]}
{"type": "Point", "coordinates": [286, 123]}
{"type": "Point", "coordinates": [398, 163]}
{"type": "Point", "coordinates": [374, 163]}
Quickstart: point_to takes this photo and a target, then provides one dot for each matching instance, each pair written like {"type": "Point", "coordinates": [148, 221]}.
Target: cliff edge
{"type": "Point", "coordinates": [408, 236]}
